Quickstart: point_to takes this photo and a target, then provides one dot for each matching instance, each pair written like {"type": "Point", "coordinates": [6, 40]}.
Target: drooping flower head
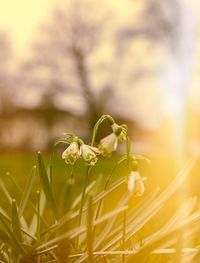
{"type": "Point", "coordinates": [77, 149]}
{"type": "Point", "coordinates": [135, 183]}
{"type": "Point", "coordinates": [72, 153]}
{"type": "Point", "coordinates": [120, 131]}
{"type": "Point", "coordinates": [89, 154]}
{"type": "Point", "coordinates": [109, 143]}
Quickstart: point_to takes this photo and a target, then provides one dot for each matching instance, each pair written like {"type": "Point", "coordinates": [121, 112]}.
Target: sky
{"type": "Point", "coordinates": [21, 19]}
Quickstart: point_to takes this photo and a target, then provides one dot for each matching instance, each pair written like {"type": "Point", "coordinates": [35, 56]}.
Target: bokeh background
{"type": "Point", "coordinates": [64, 63]}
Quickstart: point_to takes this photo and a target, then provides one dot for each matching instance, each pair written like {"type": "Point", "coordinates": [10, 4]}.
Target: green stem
{"type": "Point", "coordinates": [51, 169]}
{"type": "Point", "coordinates": [90, 231]}
{"type": "Point", "coordinates": [105, 188]}
{"type": "Point", "coordinates": [22, 192]}
{"type": "Point", "coordinates": [128, 150]}
{"type": "Point", "coordinates": [83, 195]}
{"type": "Point", "coordinates": [66, 140]}
{"type": "Point", "coordinates": [128, 153]}
{"type": "Point", "coordinates": [38, 216]}
{"type": "Point", "coordinates": [98, 123]}
{"type": "Point", "coordinates": [124, 236]}
{"type": "Point", "coordinates": [72, 172]}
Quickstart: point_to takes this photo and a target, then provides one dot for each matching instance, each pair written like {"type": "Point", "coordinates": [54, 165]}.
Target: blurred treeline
{"type": "Point", "coordinates": [92, 58]}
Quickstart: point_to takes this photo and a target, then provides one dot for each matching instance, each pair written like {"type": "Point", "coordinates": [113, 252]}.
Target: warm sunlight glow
{"type": "Point", "coordinates": [21, 19]}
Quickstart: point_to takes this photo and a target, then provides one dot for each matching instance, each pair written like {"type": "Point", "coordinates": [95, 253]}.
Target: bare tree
{"type": "Point", "coordinates": [66, 57]}
{"type": "Point", "coordinates": [6, 77]}
{"type": "Point", "coordinates": [60, 58]}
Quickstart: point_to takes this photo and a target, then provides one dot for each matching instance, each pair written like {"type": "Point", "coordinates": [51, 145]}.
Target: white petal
{"type": "Point", "coordinates": [94, 149]}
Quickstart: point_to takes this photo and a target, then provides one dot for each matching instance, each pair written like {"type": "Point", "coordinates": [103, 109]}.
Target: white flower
{"type": "Point", "coordinates": [120, 131]}
{"type": "Point", "coordinates": [108, 144]}
{"type": "Point", "coordinates": [72, 153]}
{"type": "Point", "coordinates": [135, 183]}
{"type": "Point", "coordinates": [89, 154]}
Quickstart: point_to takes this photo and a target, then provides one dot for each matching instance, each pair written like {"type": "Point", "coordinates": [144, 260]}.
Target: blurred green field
{"type": "Point", "coordinates": [159, 173]}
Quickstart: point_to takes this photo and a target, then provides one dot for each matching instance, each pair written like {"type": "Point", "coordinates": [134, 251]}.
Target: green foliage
{"type": "Point", "coordinates": [102, 222]}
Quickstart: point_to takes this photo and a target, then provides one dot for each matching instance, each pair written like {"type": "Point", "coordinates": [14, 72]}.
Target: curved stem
{"type": "Point", "coordinates": [61, 140]}
{"type": "Point", "coordinates": [98, 123]}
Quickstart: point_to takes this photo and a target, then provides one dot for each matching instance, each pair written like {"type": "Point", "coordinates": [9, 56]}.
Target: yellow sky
{"type": "Point", "coordinates": [21, 18]}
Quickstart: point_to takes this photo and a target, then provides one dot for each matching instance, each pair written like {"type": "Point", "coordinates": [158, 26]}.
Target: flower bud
{"type": "Point", "coordinates": [135, 184]}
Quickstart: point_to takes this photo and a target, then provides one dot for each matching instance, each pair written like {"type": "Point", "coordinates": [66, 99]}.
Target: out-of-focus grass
{"type": "Point", "coordinates": [161, 170]}
{"type": "Point", "coordinates": [159, 173]}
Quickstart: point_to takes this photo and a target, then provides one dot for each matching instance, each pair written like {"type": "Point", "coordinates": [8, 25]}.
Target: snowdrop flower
{"type": "Point", "coordinates": [89, 154]}
{"type": "Point", "coordinates": [135, 183]}
{"type": "Point", "coordinates": [120, 131]}
{"type": "Point", "coordinates": [72, 153]}
{"type": "Point", "coordinates": [109, 143]}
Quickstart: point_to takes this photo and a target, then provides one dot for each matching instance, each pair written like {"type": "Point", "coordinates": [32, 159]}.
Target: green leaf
{"type": "Point", "coordinates": [66, 197]}
{"type": "Point", "coordinates": [19, 248]}
{"type": "Point", "coordinates": [142, 254]}
{"type": "Point", "coordinates": [27, 192]}
{"type": "Point", "coordinates": [73, 233]}
{"type": "Point", "coordinates": [46, 184]}
{"type": "Point", "coordinates": [16, 226]}
{"type": "Point", "coordinates": [98, 198]}
{"type": "Point", "coordinates": [38, 216]}
{"type": "Point", "coordinates": [5, 191]}
{"type": "Point", "coordinates": [144, 216]}
{"type": "Point", "coordinates": [90, 230]}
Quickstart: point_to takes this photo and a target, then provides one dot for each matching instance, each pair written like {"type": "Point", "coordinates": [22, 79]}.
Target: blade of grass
{"type": "Point", "coordinates": [25, 195]}
{"type": "Point", "coordinates": [109, 225]}
{"type": "Point", "coordinates": [75, 214]}
{"type": "Point", "coordinates": [11, 235]}
{"type": "Point", "coordinates": [156, 205]}
{"type": "Point", "coordinates": [8, 220]}
{"type": "Point", "coordinates": [16, 225]}
{"type": "Point", "coordinates": [73, 233]}
{"type": "Point", "coordinates": [130, 252]}
{"type": "Point", "coordinates": [77, 200]}
{"type": "Point", "coordinates": [33, 224]}
{"type": "Point", "coordinates": [46, 185]}
{"type": "Point", "coordinates": [9, 198]}
{"type": "Point", "coordinates": [185, 210]}
{"type": "Point", "coordinates": [38, 231]}
{"type": "Point", "coordinates": [90, 230]}
{"type": "Point", "coordinates": [5, 191]}
{"type": "Point", "coordinates": [136, 211]}
{"type": "Point", "coordinates": [27, 192]}
{"type": "Point", "coordinates": [143, 253]}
